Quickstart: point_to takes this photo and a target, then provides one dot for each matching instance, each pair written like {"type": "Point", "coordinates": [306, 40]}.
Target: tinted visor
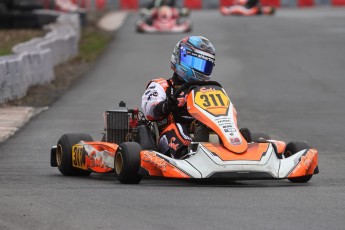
{"type": "Point", "coordinates": [194, 61]}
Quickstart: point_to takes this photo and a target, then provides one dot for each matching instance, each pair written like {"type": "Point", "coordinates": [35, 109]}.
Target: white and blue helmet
{"type": "Point", "coordinates": [193, 59]}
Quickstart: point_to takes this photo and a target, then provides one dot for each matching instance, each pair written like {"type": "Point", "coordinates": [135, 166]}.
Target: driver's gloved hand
{"type": "Point", "coordinates": [165, 107]}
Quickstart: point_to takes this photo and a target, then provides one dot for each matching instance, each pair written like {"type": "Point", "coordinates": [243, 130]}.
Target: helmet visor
{"type": "Point", "coordinates": [199, 62]}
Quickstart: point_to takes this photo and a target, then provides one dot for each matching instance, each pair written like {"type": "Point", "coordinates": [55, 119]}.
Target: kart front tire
{"type": "Point", "coordinates": [250, 136]}
{"type": "Point", "coordinates": [291, 149]}
{"type": "Point", "coordinates": [127, 163]}
{"type": "Point", "coordinates": [255, 136]}
{"type": "Point", "coordinates": [64, 153]}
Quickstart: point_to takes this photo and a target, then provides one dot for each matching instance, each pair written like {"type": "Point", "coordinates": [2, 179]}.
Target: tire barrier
{"type": "Point", "coordinates": [32, 62]}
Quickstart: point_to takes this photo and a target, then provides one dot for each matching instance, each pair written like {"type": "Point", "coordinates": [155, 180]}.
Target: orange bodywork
{"type": "Point", "coordinates": [254, 152]}
{"type": "Point", "coordinates": [280, 145]}
{"type": "Point", "coordinates": [157, 166]}
{"type": "Point", "coordinates": [194, 111]}
{"type": "Point", "coordinates": [307, 164]}
{"type": "Point", "coordinates": [91, 156]}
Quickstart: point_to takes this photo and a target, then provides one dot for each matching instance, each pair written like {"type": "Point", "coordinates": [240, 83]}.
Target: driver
{"type": "Point", "coordinates": [154, 8]}
{"type": "Point", "coordinates": [248, 4]}
{"type": "Point", "coordinates": [159, 3]}
{"type": "Point", "coordinates": [193, 59]}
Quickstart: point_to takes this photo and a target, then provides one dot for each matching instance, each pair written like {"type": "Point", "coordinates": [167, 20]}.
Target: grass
{"type": "Point", "coordinates": [92, 44]}
{"type": "Point", "coordinates": [9, 38]}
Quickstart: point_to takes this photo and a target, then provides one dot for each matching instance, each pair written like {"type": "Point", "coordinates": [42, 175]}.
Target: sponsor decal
{"type": "Point", "coordinates": [206, 90]}
{"type": "Point", "coordinates": [229, 130]}
{"type": "Point", "coordinates": [172, 144]}
{"type": "Point", "coordinates": [308, 158]}
{"type": "Point", "coordinates": [235, 141]}
{"type": "Point", "coordinates": [305, 163]}
{"type": "Point", "coordinates": [154, 94]}
{"type": "Point", "coordinates": [182, 99]}
{"type": "Point", "coordinates": [78, 156]}
{"type": "Point", "coordinates": [201, 56]}
{"type": "Point", "coordinates": [152, 158]}
{"type": "Point", "coordinates": [96, 161]}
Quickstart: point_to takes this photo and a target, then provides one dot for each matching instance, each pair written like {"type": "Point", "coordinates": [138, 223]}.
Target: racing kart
{"type": "Point", "coordinates": [165, 19]}
{"type": "Point", "coordinates": [220, 150]}
{"type": "Point", "coordinates": [242, 11]}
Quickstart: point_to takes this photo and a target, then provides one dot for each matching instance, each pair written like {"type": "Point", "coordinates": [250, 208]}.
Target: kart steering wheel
{"type": "Point", "coordinates": [193, 84]}
{"type": "Point", "coordinates": [190, 85]}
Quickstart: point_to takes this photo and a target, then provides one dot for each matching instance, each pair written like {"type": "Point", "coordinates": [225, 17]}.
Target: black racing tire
{"type": "Point", "coordinates": [201, 133]}
{"type": "Point", "coordinates": [291, 149]}
{"type": "Point", "coordinates": [138, 30]}
{"type": "Point", "coordinates": [64, 153]}
{"type": "Point", "coordinates": [255, 136]}
{"type": "Point", "coordinates": [302, 179]}
{"type": "Point", "coordinates": [295, 146]}
{"type": "Point", "coordinates": [271, 12]}
{"type": "Point", "coordinates": [190, 29]}
{"type": "Point", "coordinates": [3, 8]}
{"type": "Point", "coordinates": [245, 132]}
{"type": "Point", "coordinates": [127, 163]}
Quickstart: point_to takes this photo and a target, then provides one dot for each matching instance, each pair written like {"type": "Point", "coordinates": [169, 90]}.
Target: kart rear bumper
{"type": "Point", "coordinates": [180, 28]}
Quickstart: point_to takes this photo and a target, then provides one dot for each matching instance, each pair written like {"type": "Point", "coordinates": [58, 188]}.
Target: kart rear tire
{"type": "Point", "coordinates": [64, 153]}
{"type": "Point", "coordinates": [139, 30]}
{"type": "Point", "coordinates": [127, 163]}
{"type": "Point", "coordinates": [291, 149]}
{"type": "Point", "coordinates": [3, 8]}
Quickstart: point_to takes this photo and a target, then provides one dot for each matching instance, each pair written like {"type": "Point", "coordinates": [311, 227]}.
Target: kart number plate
{"type": "Point", "coordinates": [212, 99]}
{"type": "Point", "coordinates": [78, 157]}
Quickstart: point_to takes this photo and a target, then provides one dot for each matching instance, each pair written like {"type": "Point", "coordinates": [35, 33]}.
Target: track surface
{"type": "Point", "coordinates": [284, 73]}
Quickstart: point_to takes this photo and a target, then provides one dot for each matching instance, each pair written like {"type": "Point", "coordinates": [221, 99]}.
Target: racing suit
{"type": "Point", "coordinates": [248, 4]}
{"type": "Point", "coordinates": [159, 3]}
{"type": "Point", "coordinates": [251, 3]}
{"type": "Point", "coordinates": [157, 106]}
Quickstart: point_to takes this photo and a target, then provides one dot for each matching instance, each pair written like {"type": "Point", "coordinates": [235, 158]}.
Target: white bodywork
{"type": "Point", "coordinates": [203, 164]}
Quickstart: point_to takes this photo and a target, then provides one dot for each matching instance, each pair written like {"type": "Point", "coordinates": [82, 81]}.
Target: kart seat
{"type": "Point", "coordinates": [146, 139]}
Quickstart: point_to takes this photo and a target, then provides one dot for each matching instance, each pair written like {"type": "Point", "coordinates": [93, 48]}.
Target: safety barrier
{"type": "Point", "coordinates": [32, 62]}
{"type": "Point", "coordinates": [94, 5]}
{"type": "Point", "coordinates": [197, 4]}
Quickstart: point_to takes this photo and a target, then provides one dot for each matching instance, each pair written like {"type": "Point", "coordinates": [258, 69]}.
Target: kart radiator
{"type": "Point", "coordinates": [116, 125]}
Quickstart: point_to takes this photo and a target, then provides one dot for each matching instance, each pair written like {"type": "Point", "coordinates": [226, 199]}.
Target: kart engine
{"type": "Point", "coordinates": [121, 124]}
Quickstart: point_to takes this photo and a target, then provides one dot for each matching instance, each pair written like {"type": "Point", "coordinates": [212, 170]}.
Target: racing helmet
{"type": "Point", "coordinates": [193, 59]}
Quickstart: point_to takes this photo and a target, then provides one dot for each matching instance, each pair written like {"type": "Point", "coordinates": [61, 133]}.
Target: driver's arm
{"type": "Point", "coordinates": [154, 103]}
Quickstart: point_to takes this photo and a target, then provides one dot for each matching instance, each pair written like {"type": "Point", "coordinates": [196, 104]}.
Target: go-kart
{"type": "Point", "coordinates": [242, 11]}
{"type": "Point", "coordinates": [220, 150]}
{"type": "Point", "coordinates": [165, 19]}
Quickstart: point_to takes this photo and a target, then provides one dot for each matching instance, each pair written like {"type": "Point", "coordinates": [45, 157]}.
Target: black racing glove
{"type": "Point", "coordinates": [165, 107]}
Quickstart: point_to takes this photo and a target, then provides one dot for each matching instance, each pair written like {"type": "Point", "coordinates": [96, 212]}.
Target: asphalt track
{"type": "Point", "coordinates": [285, 75]}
